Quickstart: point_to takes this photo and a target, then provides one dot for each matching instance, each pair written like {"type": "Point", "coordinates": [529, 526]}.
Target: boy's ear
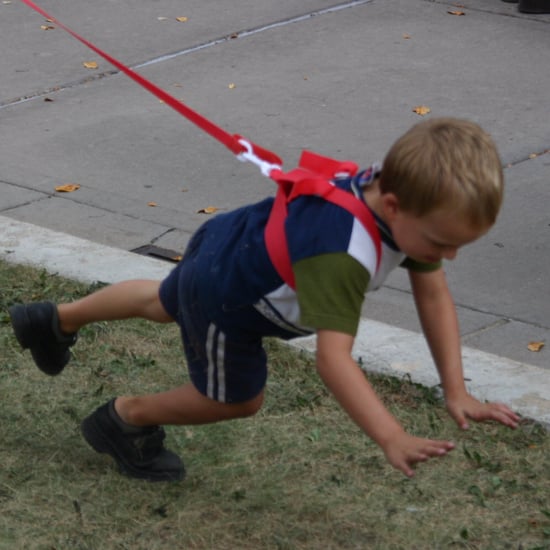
{"type": "Point", "coordinates": [390, 205]}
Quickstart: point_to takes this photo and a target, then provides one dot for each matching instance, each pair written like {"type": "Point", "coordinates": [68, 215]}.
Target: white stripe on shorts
{"type": "Point", "coordinates": [221, 367]}
{"type": "Point", "coordinates": [215, 351]}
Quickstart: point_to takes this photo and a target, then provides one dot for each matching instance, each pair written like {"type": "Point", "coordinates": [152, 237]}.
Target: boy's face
{"type": "Point", "coordinates": [433, 237]}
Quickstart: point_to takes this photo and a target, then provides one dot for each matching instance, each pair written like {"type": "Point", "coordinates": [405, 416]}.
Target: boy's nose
{"type": "Point", "coordinates": [450, 253]}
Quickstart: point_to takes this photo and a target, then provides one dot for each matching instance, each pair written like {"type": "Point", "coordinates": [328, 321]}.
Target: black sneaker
{"type": "Point", "coordinates": [36, 327]}
{"type": "Point", "coordinates": [139, 452]}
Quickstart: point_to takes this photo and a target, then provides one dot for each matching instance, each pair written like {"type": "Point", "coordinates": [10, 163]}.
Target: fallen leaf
{"type": "Point", "coordinates": [47, 27]}
{"type": "Point", "coordinates": [67, 188]}
{"type": "Point", "coordinates": [421, 110]}
{"type": "Point", "coordinates": [406, 36]}
{"type": "Point", "coordinates": [181, 19]}
{"type": "Point", "coordinates": [456, 12]}
{"type": "Point", "coordinates": [177, 258]}
{"type": "Point", "coordinates": [48, 99]}
{"type": "Point", "coordinates": [90, 64]}
{"type": "Point", "coordinates": [162, 18]}
{"type": "Point", "coordinates": [231, 86]}
{"type": "Point", "coordinates": [207, 210]}
{"type": "Point", "coordinates": [152, 204]}
{"type": "Point", "coordinates": [535, 346]}
{"type": "Point", "coordinates": [234, 35]}
{"type": "Point", "coordinates": [533, 156]}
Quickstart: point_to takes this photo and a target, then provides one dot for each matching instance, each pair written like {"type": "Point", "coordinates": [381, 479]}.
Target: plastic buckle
{"type": "Point", "coordinates": [249, 156]}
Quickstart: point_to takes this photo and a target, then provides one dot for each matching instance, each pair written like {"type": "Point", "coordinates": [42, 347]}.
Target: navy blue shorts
{"type": "Point", "coordinates": [226, 361]}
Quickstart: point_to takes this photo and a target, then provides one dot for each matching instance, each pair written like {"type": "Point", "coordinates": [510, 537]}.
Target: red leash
{"type": "Point", "coordinates": [312, 177]}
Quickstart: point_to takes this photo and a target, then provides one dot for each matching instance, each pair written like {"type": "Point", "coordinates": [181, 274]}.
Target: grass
{"type": "Point", "coordinates": [299, 475]}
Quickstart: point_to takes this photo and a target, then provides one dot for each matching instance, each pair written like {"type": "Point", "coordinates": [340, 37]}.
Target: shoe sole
{"type": "Point", "coordinates": [95, 438]}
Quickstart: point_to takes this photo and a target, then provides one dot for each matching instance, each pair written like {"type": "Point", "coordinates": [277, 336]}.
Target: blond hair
{"type": "Point", "coordinates": [445, 163]}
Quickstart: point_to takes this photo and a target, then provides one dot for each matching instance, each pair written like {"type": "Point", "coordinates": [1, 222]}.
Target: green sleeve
{"type": "Point", "coordinates": [331, 289]}
{"type": "Point", "coordinates": [413, 265]}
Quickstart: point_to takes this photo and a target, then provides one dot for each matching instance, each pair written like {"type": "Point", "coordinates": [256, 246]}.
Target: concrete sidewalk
{"type": "Point", "coordinates": [338, 78]}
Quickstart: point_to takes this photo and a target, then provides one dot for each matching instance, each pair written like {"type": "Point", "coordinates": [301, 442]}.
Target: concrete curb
{"type": "Point", "coordinates": [381, 348]}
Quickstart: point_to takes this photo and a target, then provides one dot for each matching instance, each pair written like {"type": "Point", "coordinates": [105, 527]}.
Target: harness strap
{"type": "Point", "coordinates": [312, 178]}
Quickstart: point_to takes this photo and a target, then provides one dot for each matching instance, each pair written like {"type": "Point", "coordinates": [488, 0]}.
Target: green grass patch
{"type": "Point", "coordinates": [299, 475]}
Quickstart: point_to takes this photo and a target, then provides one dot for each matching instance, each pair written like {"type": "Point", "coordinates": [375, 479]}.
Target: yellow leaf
{"type": "Point", "coordinates": [535, 346]}
{"type": "Point", "coordinates": [421, 110]}
{"type": "Point", "coordinates": [207, 210]}
{"type": "Point", "coordinates": [231, 86]}
{"type": "Point", "coordinates": [90, 64]}
{"type": "Point", "coordinates": [47, 27]}
{"type": "Point", "coordinates": [406, 36]}
{"type": "Point", "coordinates": [177, 258]}
{"type": "Point", "coordinates": [181, 19]}
{"type": "Point", "coordinates": [152, 203]}
{"type": "Point", "coordinates": [67, 188]}
{"type": "Point", "coordinates": [456, 12]}
{"type": "Point", "coordinates": [533, 156]}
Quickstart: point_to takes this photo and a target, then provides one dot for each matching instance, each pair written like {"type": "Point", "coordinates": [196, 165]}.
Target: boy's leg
{"type": "Point", "coordinates": [49, 330]}
{"type": "Point", "coordinates": [184, 405]}
{"type": "Point", "coordinates": [128, 428]}
{"type": "Point", "coordinates": [125, 300]}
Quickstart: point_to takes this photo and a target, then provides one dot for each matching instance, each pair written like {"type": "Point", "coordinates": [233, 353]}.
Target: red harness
{"type": "Point", "coordinates": [312, 177]}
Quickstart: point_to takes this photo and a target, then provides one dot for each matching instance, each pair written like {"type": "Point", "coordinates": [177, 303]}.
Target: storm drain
{"type": "Point", "coordinates": [159, 253]}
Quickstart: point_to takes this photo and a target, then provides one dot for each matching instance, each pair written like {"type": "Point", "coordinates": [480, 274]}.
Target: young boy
{"type": "Point", "coordinates": [440, 188]}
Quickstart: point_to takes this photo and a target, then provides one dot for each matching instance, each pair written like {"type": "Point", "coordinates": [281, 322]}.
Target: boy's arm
{"type": "Point", "coordinates": [439, 322]}
{"type": "Point", "coordinates": [348, 383]}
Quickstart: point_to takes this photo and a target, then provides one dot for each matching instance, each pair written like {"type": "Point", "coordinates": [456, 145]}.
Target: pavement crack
{"type": "Point", "coordinates": [163, 234]}
{"type": "Point", "coordinates": [498, 323]}
{"type": "Point", "coordinates": [38, 94]}
{"type": "Point", "coordinates": [529, 157]}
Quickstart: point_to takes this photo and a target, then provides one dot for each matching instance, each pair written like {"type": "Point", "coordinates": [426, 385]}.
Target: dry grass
{"type": "Point", "coordinates": [297, 476]}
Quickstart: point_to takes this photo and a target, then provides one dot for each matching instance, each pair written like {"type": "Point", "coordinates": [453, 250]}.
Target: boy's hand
{"type": "Point", "coordinates": [403, 451]}
{"type": "Point", "coordinates": [468, 407]}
